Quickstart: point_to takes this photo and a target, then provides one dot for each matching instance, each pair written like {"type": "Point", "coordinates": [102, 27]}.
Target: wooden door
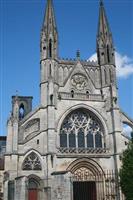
{"type": "Point", "coordinates": [84, 190]}
{"type": "Point", "coordinates": [32, 194]}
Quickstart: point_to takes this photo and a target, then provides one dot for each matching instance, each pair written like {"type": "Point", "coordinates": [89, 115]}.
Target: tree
{"type": "Point", "coordinates": [126, 172]}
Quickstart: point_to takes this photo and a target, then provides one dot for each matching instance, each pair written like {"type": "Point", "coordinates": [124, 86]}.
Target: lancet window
{"type": "Point", "coordinates": [81, 129]}
{"type": "Point", "coordinates": [32, 162]}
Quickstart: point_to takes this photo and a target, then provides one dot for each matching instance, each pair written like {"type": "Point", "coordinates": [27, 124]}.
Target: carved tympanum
{"type": "Point", "coordinates": [83, 174]}
{"type": "Point", "coordinates": [79, 82]}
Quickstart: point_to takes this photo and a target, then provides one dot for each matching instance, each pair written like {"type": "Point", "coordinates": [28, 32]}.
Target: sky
{"type": "Point", "coordinates": [77, 20]}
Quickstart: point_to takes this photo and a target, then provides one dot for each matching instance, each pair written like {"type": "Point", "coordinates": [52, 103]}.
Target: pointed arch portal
{"type": "Point", "coordinates": [90, 182]}
{"type": "Point", "coordinates": [33, 189]}
{"type": "Point", "coordinates": [87, 178]}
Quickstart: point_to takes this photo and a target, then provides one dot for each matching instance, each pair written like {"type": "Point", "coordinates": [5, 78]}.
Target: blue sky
{"type": "Point", "coordinates": [20, 24]}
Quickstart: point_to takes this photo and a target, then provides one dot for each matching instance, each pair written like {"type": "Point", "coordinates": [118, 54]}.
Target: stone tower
{"type": "Point", "coordinates": [69, 147]}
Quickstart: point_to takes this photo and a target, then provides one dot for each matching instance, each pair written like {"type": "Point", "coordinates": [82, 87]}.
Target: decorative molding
{"type": "Point", "coordinates": [81, 96]}
{"type": "Point", "coordinates": [31, 127]}
{"type": "Point", "coordinates": [96, 151]}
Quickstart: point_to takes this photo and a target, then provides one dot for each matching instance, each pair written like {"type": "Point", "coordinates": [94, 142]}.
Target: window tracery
{"type": "Point", "coordinates": [32, 162]}
{"type": "Point", "coordinates": [81, 129]}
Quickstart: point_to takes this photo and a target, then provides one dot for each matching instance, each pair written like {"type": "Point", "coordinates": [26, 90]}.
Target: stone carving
{"type": "Point", "coordinates": [83, 174]}
{"type": "Point", "coordinates": [32, 162]}
{"type": "Point", "coordinates": [6, 175]}
{"type": "Point", "coordinates": [79, 82]}
{"type": "Point", "coordinates": [59, 193]}
{"type": "Point", "coordinates": [31, 127]}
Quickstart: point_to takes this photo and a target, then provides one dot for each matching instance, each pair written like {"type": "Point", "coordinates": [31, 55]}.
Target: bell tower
{"type": "Point", "coordinates": [49, 56]}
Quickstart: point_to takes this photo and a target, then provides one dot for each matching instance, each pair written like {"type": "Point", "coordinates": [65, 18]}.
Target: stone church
{"type": "Point", "coordinates": [70, 146]}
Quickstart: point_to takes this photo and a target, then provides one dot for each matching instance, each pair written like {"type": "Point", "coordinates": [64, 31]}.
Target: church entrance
{"type": "Point", "coordinates": [89, 182]}
{"type": "Point", "coordinates": [33, 189]}
{"type": "Point", "coordinates": [84, 190]}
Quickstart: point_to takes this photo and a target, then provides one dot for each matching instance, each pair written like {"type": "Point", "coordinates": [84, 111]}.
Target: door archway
{"type": "Point", "coordinates": [33, 187]}
{"type": "Point", "coordinates": [88, 180]}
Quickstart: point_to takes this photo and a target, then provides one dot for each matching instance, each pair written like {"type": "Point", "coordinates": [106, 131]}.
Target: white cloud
{"type": "Point", "coordinates": [127, 130]}
{"type": "Point", "coordinates": [124, 65]}
{"type": "Point", "coordinates": [93, 57]}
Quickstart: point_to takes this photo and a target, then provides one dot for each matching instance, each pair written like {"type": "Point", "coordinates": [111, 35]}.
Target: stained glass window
{"type": "Point", "coordinates": [81, 129]}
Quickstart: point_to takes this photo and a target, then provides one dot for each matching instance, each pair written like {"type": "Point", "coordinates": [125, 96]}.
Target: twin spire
{"type": "Point", "coordinates": [49, 37]}
{"type": "Point", "coordinates": [105, 47]}
{"type": "Point", "coordinates": [49, 19]}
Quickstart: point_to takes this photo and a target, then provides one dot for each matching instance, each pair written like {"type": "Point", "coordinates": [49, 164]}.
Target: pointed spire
{"type": "Point", "coordinates": [105, 47]}
{"type": "Point", "coordinates": [103, 26]}
{"type": "Point", "coordinates": [49, 35]}
{"type": "Point", "coordinates": [49, 19]}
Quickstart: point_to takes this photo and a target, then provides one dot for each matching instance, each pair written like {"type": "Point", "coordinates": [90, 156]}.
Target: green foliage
{"type": "Point", "coordinates": [126, 172]}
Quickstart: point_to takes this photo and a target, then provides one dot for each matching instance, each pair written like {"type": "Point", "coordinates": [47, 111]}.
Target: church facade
{"type": "Point", "coordinates": [69, 147]}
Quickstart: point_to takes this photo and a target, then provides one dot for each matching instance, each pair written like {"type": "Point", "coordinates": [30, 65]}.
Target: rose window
{"type": "Point", "coordinates": [81, 129]}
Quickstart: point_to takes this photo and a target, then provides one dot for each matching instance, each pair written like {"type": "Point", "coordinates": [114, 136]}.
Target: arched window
{"type": "Point", "coordinates": [108, 54]}
{"type": "Point", "coordinates": [21, 111]}
{"type": "Point", "coordinates": [105, 76]}
{"type": "Point", "coordinates": [32, 162]}
{"type": "Point", "coordinates": [110, 73]}
{"type": "Point", "coordinates": [81, 129]}
{"type": "Point", "coordinates": [87, 94]}
{"type": "Point", "coordinates": [72, 93]}
{"type": "Point", "coordinates": [50, 48]}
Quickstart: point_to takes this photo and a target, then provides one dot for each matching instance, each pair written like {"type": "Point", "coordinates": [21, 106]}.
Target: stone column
{"type": "Point", "coordinates": [21, 188]}
{"type": "Point", "coordinates": [61, 187]}
{"type": "Point", "coordinates": [5, 190]}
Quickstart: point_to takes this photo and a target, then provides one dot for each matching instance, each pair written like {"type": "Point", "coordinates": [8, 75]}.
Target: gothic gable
{"type": "Point", "coordinates": [78, 80]}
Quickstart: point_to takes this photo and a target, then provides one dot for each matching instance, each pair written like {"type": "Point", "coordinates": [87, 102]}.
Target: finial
{"type": "Point", "coordinates": [16, 93]}
{"type": "Point", "coordinates": [101, 2]}
{"type": "Point", "coordinates": [78, 54]}
{"type": "Point", "coordinates": [16, 96]}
